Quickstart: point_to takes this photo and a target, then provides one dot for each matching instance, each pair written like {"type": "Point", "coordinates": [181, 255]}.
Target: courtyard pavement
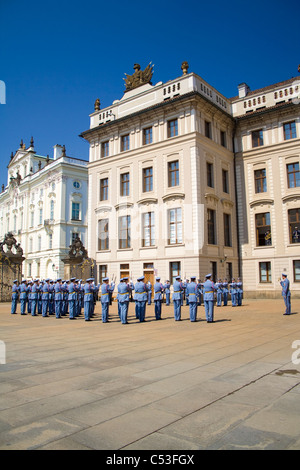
{"type": "Point", "coordinates": [158, 385]}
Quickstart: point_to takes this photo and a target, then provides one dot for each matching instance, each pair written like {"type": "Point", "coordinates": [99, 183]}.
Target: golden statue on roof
{"type": "Point", "coordinates": [140, 77]}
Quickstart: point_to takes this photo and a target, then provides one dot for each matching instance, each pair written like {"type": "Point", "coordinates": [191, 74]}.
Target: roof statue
{"type": "Point", "coordinates": [140, 77]}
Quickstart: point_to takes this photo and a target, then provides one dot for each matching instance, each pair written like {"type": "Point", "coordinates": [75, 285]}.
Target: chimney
{"type": "Point", "coordinates": [57, 151]}
{"type": "Point", "coordinates": [243, 90]}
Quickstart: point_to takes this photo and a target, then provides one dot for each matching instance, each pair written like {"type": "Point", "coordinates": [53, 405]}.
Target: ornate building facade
{"type": "Point", "coordinates": [44, 205]}
{"type": "Point", "coordinates": [183, 180]}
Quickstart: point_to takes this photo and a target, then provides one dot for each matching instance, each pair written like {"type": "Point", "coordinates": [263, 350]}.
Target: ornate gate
{"type": "Point", "coordinates": [11, 259]}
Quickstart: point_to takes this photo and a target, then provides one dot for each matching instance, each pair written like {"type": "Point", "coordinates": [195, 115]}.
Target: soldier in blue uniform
{"type": "Point", "coordinates": [158, 291]}
{"type": "Point", "coordinates": [233, 292]}
{"type": "Point", "coordinates": [40, 293]}
{"type": "Point", "coordinates": [208, 297]}
{"type": "Point", "coordinates": [23, 296]}
{"type": "Point", "coordinates": [191, 293]}
{"type": "Point", "coordinates": [106, 290]}
{"type": "Point", "coordinates": [29, 285]}
{"type": "Point", "coordinates": [225, 292]}
{"type": "Point", "coordinates": [123, 299]}
{"type": "Point", "coordinates": [88, 291]}
{"type": "Point", "coordinates": [167, 291]}
{"type": "Point", "coordinates": [14, 296]}
{"type": "Point", "coordinates": [51, 297]}
{"type": "Point", "coordinates": [45, 298]}
{"type": "Point", "coordinates": [149, 292]}
{"type": "Point", "coordinates": [72, 291]}
{"type": "Point", "coordinates": [199, 292]}
{"type": "Point", "coordinates": [140, 297]}
{"type": "Point", "coordinates": [58, 298]}
{"type": "Point", "coordinates": [177, 293]}
{"type": "Point", "coordinates": [239, 291]}
{"type": "Point", "coordinates": [286, 293]}
{"type": "Point", "coordinates": [34, 297]}
{"type": "Point", "coordinates": [219, 287]}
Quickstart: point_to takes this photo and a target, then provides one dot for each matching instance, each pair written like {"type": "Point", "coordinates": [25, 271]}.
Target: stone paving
{"type": "Point", "coordinates": [158, 385]}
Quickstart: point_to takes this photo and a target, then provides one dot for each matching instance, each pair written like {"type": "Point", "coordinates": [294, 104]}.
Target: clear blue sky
{"type": "Point", "coordinates": [57, 57]}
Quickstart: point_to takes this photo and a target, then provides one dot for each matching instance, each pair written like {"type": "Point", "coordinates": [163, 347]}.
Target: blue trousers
{"type": "Point", "coordinates": [140, 309]}
{"type": "Point", "coordinates": [177, 309]}
{"type": "Point", "coordinates": [167, 298]}
{"type": "Point", "coordinates": [239, 298]}
{"type": "Point", "coordinates": [45, 306]}
{"type": "Point", "coordinates": [287, 302]}
{"type": "Point", "coordinates": [58, 308]}
{"type": "Point", "coordinates": [104, 311]}
{"type": "Point", "coordinates": [87, 309]}
{"type": "Point", "coordinates": [33, 307]}
{"type": "Point", "coordinates": [123, 311]}
{"type": "Point", "coordinates": [233, 299]}
{"type": "Point", "coordinates": [14, 305]}
{"type": "Point", "coordinates": [23, 306]}
{"type": "Point", "coordinates": [157, 309]}
{"type": "Point", "coordinates": [219, 299]}
{"type": "Point", "coordinates": [225, 298]}
{"type": "Point", "coordinates": [209, 310]}
{"type": "Point", "coordinates": [193, 311]}
{"type": "Point", "coordinates": [72, 312]}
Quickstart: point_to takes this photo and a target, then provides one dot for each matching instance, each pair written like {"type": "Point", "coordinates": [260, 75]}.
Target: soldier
{"type": "Point", "coordinates": [23, 296]}
{"type": "Point", "coordinates": [167, 292]}
{"type": "Point", "coordinates": [58, 298]}
{"type": "Point", "coordinates": [199, 292]}
{"type": "Point", "coordinates": [40, 293]}
{"type": "Point", "coordinates": [34, 297]}
{"type": "Point", "coordinates": [29, 284]}
{"type": "Point", "coordinates": [233, 292]}
{"type": "Point", "coordinates": [45, 298]}
{"type": "Point", "coordinates": [225, 292]}
{"type": "Point", "coordinates": [149, 293]}
{"type": "Point", "coordinates": [51, 297]}
{"type": "Point", "coordinates": [177, 293]}
{"type": "Point", "coordinates": [208, 297]}
{"type": "Point", "coordinates": [106, 289]}
{"type": "Point", "coordinates": [219, 287]}
{"type": "Point", "coordinates": [140, 297]}
{"type": "Point", "coordinates": [158, 291]}
{"type": "Point", "coordinates": [14, 296]}
{"type": "Point", "coordinates": [123, 299]}
{"type": "Point", "coordinates": [191, 293]}
{"type": "Point", "coordinates": [72, 290]}
{"type": "Point", "coordinates": [286, 293]}
{"type": "Point", "coordinates": [88, 291]}
{"type": "Point", "coordinates": [239, 291]}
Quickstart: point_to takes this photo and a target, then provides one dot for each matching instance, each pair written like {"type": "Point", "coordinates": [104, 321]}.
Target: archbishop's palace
{"type": "Point", "coordinates": [181, 180]}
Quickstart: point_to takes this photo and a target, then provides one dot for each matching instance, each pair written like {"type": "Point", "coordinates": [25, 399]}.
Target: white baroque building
{"type": "Point", "coordinates": [183, 180]}
{"type": "Point", "coordinates": [44, 205]}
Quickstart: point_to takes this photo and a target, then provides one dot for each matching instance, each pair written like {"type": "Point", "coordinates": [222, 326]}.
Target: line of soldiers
{"type": "Point", "coordinates": [59, 298]}
{"type": "Point", "coordinates": [62, 297]}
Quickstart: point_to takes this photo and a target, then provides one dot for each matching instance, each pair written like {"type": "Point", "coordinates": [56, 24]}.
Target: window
{"type": "Point", "coordinates": [207, 129]}
{"type": "Point", "coordinates": [211, 226]}
{"type": "Point", "coordinates": [74, 235]}
{"type": "Point", "coordinates": [225, 182]}
{"type": "Point", "coordinates": [15, 223]}
{"type": "Point", "coordinates": [227, 230]}
{"type": "Point", "coordinates": [265, 274]}
{"type": "Point", "coordinates": [124, 270]}
{"type": "Point", "coordinates": [124, 231]}
{"type": "Point", "coordinates": [103, 235]}
{"type": "Point", "coordinates": [263, 229]}
{"type": "Point", "coordinates": [39, 243]}
{"type": "Point", "coordinates": [104, 189]}
{"type": "Point", "coordinates": [76, 184]}
{"type": "Point", "coordinates": [75, 211]}
{"type": "Point", "coordinates": [29, 269]}
{"type": "Point", "coordinates": [210, 174]}
{"type": "Point", "coordinates": [148, 238]}
{"type": "Point", "coordinates": [289, 130]}
{"type": "Point", "coordinates": [30, 244]}
{"type": "Point", "coordinates": [296, 269]}
{"type": "Point", "coordinates": [31, 219]}
{"type": "Point", "coordinates": [257, 138]}
{"type": "Point", "coordinates": [102, 272]}
{"type": "Point", "coordinates": [125, 142]}
{"type": "Point", "coordinates": [40, 216]}
{"type": "Point", "coordinates": [173, 173]}
{"type": "Point", "coordinates": [294, 225]}
{"type": "Point", "coordinates": [223, 138]}
{"type": "Point", "coordinates": [50, 241]}
{"type": "Point", "coordinates": [260, 180]}
{"type": "Point", "coordinates": [175, 226]}
{"type": "Point", "coordinates": [52, 210]}
{"type": "Point", "coordinates": [213, 270]}
{"type": "Point", "coordinates": [147, 179]}
{"type": "Point", "coordinates": [125, 180]}
{"type": "Point", "coordinates": [229, 270]}
{"type": "Point", "coordinates": [105, 149]}
{"type": "Point", "coordinates": [174, 271]}
{"type": "Point", "coordinates": [293, 175]}
{"type": "Point", "coordinates": [147, 136]}
{"type": "Point", "coordinates": [172, 128]}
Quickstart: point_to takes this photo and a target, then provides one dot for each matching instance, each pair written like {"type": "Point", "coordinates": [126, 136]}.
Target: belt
{"type": "Point", "coordinates": [176, 291]}
{"type": "Point", "coordinates": [88, 293]}
{"type": "Point", "coordinates": [209, 292]}
{"type": "Point", "coordinates": [71, 292]}
{"type": "Point", "coordinates": [123, 293]}
{"type": "Point", "coordinates": [107, 294]}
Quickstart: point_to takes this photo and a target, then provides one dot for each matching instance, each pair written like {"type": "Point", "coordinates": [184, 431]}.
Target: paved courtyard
{"type": "Point", "coordinates": [158, 385]}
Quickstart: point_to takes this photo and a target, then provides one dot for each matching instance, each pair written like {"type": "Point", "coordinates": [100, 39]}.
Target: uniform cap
{"type": "Point", "coordinates": [208, 275]}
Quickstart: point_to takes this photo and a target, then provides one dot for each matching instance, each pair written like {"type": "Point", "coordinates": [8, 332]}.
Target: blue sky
{"type": "Point", "coordinates": [57, 57]}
